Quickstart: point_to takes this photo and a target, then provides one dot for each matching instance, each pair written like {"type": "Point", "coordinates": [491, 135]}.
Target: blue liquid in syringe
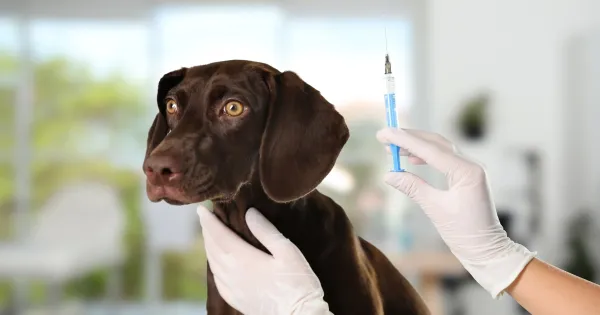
{"type": "Point", "coordinates": [392, 122]}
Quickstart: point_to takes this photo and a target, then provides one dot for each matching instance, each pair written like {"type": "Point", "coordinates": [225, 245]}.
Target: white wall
{"type": "Point", "coordinates": [117, 9]}
{"type": "Point", "coordinates": [517, 49]}
{"type": "Point", "coordinates": [584, 155]}
{"type": "Point", "coordinates": [583, 57]}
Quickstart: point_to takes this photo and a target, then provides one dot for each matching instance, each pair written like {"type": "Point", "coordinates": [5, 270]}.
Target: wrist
{"type": "Point", "coordinates": [497, 272]}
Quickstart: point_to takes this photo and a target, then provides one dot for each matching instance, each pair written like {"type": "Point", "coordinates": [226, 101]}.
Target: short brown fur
{"type": "Point", "coordinates": [272, 158]}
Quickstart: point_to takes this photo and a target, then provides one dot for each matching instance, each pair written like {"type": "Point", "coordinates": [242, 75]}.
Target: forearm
{"type": "Point", "coordinates": [543, 289]}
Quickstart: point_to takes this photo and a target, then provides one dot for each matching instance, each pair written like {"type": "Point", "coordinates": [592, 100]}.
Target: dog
{"type": "Point", "coordinates": [243, 134]}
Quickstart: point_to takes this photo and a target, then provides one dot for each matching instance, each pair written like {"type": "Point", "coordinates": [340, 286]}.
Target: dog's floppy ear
{"type": "Point", "coordinates": [160, 128]}
{"type": "Point", "coordinates": [303, 137]}
{"type": "Point", "coordinates": [166, 83]}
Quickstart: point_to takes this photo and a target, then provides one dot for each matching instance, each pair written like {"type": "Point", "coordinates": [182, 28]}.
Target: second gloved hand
{"type": "Point", "coordinates": [464, 214]}
{"type": "Point", "coordinates": [254, 282]}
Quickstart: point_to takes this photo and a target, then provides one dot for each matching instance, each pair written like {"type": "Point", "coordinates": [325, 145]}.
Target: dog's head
{"type": "Point", "coordinates": [220, 123]}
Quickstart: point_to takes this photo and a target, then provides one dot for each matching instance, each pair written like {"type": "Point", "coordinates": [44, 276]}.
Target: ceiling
{"type": "Point", "coordinates": [141, 9]}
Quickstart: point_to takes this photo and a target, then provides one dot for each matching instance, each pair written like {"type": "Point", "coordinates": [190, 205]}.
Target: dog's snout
{"type": "Point", "coordinates": [162, 169]}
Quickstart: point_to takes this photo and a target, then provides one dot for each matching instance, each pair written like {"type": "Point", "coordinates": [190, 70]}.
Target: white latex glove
{"type": "Point", "coordinates": [254, 282]}
{"type": "Point", "coordinates": [464, 215]}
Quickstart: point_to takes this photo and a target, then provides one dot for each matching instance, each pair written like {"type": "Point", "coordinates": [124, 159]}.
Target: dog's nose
{"type": "Point", "coordinates": [161, 170]}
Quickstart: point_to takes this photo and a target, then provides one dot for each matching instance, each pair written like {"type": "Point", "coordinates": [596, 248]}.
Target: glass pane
{"type": "Point", "coordinates": [88, 143]}
{"type": "Point", "coordinates": [9, 65]}
{"type": "Point", "coordinates": [7, 180]}
{"type": "Point", "coordinates": [9, 48]}
{"type": "Point", "coordinates": [344, 59]}
{"type": "Point", "coordinates": [250, 33]}
{"type": "Point", "coordinates": [8, 73]}
{"type": "Point", "coordinates": [7, 123]}
{"type": "Point", "coordinates": [7, 190]}
{"type": "Point", "coordinates": [88, 86]}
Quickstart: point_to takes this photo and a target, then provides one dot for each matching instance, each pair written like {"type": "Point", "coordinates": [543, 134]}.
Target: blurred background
{"type": "Point", "coordinates": [515, 84]}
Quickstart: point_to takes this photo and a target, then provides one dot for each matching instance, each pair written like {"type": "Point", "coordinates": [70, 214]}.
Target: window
{"type": "Point", "coordinates": [9, 49]}
{"type": "Point", "coordinates": [88, 85]}
{"type": "Point", "coordinates": [198, 35]}
{"type": "Point", "coordinates": [344, 59]}
{"type": "Point", "coordinates": [87, 90]}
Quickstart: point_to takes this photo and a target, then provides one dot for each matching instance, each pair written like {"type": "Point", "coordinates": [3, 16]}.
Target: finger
{"type": "Point", "coordinates": [215, 231]}
{"type": "Point", "coordinates": [436, 138]}
{"type": "Point", "coordinates": [266, 233]}
{"type": "Point", "coordinates": [412, 185]}
{"type": "Point", "coordinates": [433, 154]}
{"type": "Point", "coordinates": [226, 292]}
{"type": "Point", "coordinates": [416, 160]}
{"type": "Point", "coordinates": [224, 240]}
{"type": "Point", "coordinates": [403, 152]}
{"type": "Point", "coordinates": [229, 264]}
{"type": "Point", "coordinates": [220, 263]}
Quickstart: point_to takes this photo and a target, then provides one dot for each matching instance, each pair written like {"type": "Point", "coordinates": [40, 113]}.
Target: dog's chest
{"type": "Point", "coordinates": [324, 235]}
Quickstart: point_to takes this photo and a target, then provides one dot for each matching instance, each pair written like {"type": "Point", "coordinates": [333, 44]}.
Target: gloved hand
{"type": "Point", "coordinates": [464, 214]}
{"type": "Point", "coordinates": [254, 282]}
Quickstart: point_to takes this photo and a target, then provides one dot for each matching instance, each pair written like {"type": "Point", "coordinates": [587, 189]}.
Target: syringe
{"type": "Point", "coordinates": [390, 110]}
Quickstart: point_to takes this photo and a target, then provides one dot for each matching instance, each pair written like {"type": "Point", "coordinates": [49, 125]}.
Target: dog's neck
{"type": "Point", "coordinates": [304, 217]}
{"type": "Point", "coordinates": [249, 195]}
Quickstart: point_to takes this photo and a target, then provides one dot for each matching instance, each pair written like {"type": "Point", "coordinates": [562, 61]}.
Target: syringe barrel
{"type": "Point", "coordinates": [390, 101]}
{"type": "Point", "coordinates": [392, 118]}
{"type": "Point", "coordinates": [390, 84]}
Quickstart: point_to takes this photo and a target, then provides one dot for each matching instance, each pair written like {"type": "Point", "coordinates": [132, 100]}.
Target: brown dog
{"type": "Point", "coordinates": [243, 134]}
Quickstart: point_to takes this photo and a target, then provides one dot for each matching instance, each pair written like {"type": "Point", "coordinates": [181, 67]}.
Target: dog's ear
{"type": "Point", "coordinates": [166, 83]}
{"type": "Point", "coordinates": [160, 129]}
{"type": "Point", "coordinates": [303, 137]}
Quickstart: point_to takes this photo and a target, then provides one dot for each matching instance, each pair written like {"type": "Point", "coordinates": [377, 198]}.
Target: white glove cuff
{"type": "Point", "coordinates": [496, 274]}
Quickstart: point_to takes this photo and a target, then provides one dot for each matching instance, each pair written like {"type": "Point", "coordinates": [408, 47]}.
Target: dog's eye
{"type": "Point", "coordinates": [172, 107]}
{"type": "Point", "coordinates": [233, 108]}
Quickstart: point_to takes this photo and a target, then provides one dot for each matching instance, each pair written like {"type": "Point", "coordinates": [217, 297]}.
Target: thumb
{"type": "Point", "coordinates": [411, 185]}
{"type": "Point", "coordinates": [220, 239]}
{"type": "Point", "coordinates": [268, 235]}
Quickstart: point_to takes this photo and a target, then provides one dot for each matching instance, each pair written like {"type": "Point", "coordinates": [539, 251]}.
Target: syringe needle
{"type": "Point", "coordinates": [385, 32]}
